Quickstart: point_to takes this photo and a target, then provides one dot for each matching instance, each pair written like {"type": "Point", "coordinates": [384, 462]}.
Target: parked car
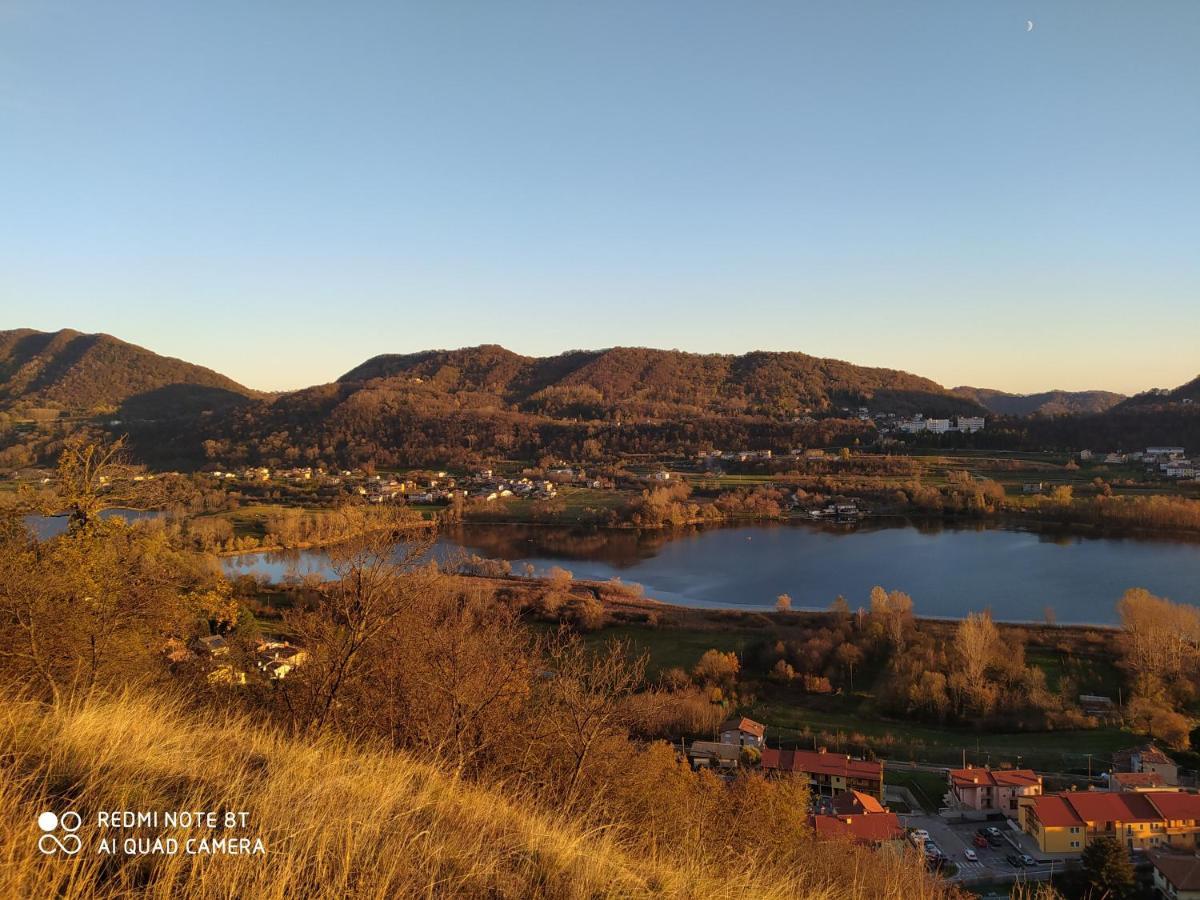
{"type": "Point", "coordinates": [980, 841]}
{"type": "Point", "coordinates": [1014, 860]}
{"type": "Point", "coordinates": [994, 838]}
{"type": "Point", "coordinates": [971, 855]}
{"type": "Point", "coordinates": [1027, 860]}
{"type": "Point", "coordinates": [920, 834]}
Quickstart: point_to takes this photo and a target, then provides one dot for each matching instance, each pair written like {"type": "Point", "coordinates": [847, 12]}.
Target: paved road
{"type": "Point", "coordinates": [992, 863]}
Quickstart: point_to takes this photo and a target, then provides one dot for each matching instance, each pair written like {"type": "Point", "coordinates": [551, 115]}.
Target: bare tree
{"type": "Point", "coordinates": [378, 581]}
{"type": "Point", "coordinates": [585, 693]}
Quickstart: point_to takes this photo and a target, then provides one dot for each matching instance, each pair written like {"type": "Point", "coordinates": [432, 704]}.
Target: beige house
{"type": "Point", "coordinates": [1148, 759]}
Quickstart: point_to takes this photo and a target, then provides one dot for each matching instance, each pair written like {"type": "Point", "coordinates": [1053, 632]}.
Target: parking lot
{"type": "Point", "coordinates": [955, 838]}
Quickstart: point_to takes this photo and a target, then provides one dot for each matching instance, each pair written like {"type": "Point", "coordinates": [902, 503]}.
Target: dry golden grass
{"type": "Point", "coordinates": [337, 821]}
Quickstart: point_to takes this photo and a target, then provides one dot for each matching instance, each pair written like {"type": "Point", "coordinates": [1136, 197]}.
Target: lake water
{"type": "Point", "coordinates": [51, 526]}
{"type": "Point", "coordinates": [949, 571]}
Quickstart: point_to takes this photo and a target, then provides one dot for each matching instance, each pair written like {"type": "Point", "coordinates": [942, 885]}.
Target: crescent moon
{"type": "Point", "coordinates": [1029, 25]}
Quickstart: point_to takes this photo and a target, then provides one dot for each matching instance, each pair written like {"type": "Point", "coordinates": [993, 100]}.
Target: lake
{"type": "Point", "coordinates": [949, 571]}
{"type": "Point", "coordinates": [46, 527]}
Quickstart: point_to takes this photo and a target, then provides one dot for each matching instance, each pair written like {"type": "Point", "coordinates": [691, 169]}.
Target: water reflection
{"type": "Point", "coordinates": [949, 570]}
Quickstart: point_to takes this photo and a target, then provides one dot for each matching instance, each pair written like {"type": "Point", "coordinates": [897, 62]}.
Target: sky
{"type": "Point", "coordinates": [284, 188]}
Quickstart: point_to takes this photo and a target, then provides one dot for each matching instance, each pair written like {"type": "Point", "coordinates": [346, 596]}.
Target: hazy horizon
{"type": "Point", "coordinates": [281, 191]}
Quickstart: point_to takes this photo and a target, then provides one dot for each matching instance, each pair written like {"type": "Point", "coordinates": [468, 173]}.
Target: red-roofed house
{"type": "Point", "coordinates": [1176, 875]}
{"type": "Point", "coordinates": [1147, 759]}
{"type": "Point", "coordinates": [1066, 821]}
{"type": "Point", "coordinates": [743, 732]}
{"type": "Point", "coordinates": [864, 828]}
{"type": "Point", "coordinates": [856, 803]}
{"type": "Point", "coordinates": [1137, 781]}
{"type": "Point", "coordinates": [993, 789]}
{"type": "Point", "coordinates": [828, 773]}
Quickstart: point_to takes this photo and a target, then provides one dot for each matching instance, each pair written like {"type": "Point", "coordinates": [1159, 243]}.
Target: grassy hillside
{"type": "Point", "coordinates": [338, 821]}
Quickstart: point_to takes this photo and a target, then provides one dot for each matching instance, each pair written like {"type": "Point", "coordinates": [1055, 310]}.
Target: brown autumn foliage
{"type": "Point", "coordinates": [417, 688]}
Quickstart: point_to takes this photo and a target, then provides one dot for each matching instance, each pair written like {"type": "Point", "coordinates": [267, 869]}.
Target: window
{"type": "Point", "coordinates": [1074, 844]}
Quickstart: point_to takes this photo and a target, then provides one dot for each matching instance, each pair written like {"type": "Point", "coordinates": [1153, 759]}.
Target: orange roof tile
{"type": "Point", "coordinates": [1181, 870]}
{"type": "Point", "coordinates": [855, 802]}
{"type": "Point", "coordinates": [1070, 808]}
{"type": "Point", "coordinates": [1175, 805]}
{"type": "Point", "coordinates": [815, 762]}
{"type": "Point", "coordinates": [1054, 812]}
{"type": "Point", "coordinates": [986, 777]}
{"type": "Point", "coordinates": [867, 828]}
{"type": "Point", "coordinates": [1137, 779]}
{"type": "Point", "coordinates": [745, 724]}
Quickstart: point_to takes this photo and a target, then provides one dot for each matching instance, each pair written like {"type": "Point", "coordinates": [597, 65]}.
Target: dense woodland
{"type": "Point", "coordinates": [463, 407]}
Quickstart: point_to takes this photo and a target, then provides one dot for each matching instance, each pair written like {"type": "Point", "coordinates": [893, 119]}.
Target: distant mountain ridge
{"type": "Point", "coordinates": [96, 372]}
{"type": "Point", "coordinates": [1185, 395]}
{"type": "Point", "coordinates": [1045, 403]}
{"type": "Point", "coordinates": [593, 383]}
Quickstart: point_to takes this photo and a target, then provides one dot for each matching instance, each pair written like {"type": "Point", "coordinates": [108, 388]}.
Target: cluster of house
{"type": "Point", "coordinates": [274, 658]}
{"type": "Point", "coordinates": [843, 511]}
{"type": "Point", "coordinates": [918, 424]}
{"type": "Point", "coordinates": [712, 458]}
{"type": "Point", "coordinates": [262, 473]}
{"type": "Point", "coordinates": [1141, 806]}
{"type": "Point", "coordinates": [848, 792]}
{"type": "Point", "coordinates": [386, 488]}
{"type": "Point", "coordinates": [433, 487]}
{"type": "Point", "coordinates": [1170, 462]}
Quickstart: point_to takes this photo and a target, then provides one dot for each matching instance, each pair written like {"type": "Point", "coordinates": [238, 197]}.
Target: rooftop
{"type": "Point", "coordinates": [749, 726]}
{"type": "Point", "coordinates": [819, 762]}
{"type": "Point", "coordinates": [986, 777]}
{"type": "Point", "coordinates": [1073, 808]}
{"type": "Point", "coordinates": [867, 827]}
{"type": "Point", "coordinates": [1181, 870]}
{"type": "Point", "coordinates": [856, 802]}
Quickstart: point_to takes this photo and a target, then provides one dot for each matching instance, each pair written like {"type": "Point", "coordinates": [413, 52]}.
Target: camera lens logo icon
{"type": "Point", "coordinates": [51, 842]}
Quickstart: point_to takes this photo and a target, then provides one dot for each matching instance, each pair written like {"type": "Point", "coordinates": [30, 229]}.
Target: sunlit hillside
{"type": "Point", "coordinates": [336, 822]}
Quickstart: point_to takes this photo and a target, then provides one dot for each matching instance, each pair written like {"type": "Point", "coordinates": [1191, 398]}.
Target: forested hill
{"type": "Point", "coordinates": [645, 382]}
{"type": "Point", "coordinates": [1046, 403]}
{"type": "Point", "coordinates": [1183, 396]}
{"type": "Point", "coordinates": [97, 372]}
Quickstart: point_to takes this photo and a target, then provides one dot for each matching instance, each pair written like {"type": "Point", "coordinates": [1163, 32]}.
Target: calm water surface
{"type": "Point", "coordinates": [948, 571]}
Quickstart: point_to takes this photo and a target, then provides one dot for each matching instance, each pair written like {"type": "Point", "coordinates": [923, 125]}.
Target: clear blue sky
{"type": "Point", "coordinates": [282, 189]}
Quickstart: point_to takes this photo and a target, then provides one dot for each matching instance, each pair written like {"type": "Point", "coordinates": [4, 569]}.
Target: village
{"type": "Point", "coordinates": [990, 825]}
{"type": "Point", "coordinates": [982, 826]}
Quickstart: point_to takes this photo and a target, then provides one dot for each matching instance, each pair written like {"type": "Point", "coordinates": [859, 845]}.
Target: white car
{"type": "Point", "coordinates": [971, 855]}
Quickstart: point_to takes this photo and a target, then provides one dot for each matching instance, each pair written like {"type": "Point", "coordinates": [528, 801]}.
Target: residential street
{"type": "Point", "coordinates": [954, 839]}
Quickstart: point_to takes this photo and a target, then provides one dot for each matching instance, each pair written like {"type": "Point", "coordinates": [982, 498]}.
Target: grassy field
{"type": "Point", "coordinates": [671, 647]}
{"type": "Point", "coordinates": [1090, 675]}
{"type": "Point", "coordinates": [927, 787]}
{"type": "Point", "coordinates": [852, 732]}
